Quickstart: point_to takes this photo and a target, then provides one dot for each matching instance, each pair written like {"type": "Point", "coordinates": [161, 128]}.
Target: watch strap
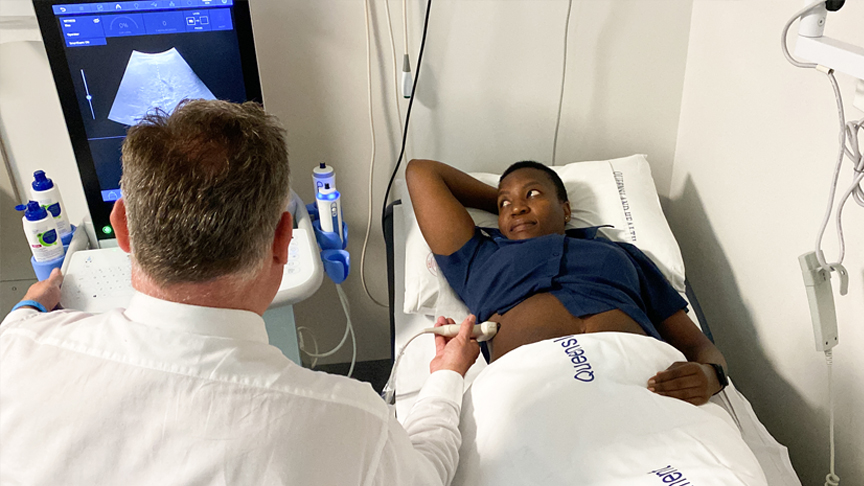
{"type": "Point", "coordinates": [721, 376]}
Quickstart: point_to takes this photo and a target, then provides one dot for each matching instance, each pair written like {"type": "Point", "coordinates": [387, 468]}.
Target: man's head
{"type": "Point", "coordinates": [204, 190]}
{"type": "Point", "coordinates": [532, 201]}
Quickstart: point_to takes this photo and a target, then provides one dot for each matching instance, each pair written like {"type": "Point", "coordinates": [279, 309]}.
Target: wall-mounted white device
{"type": "Point", "coordinates": [827, 52]}
{"type": "Point", "coordinates": [817, 281]}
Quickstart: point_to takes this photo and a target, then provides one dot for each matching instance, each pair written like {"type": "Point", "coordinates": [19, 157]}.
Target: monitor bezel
{"type": "Point", "coordinates": [55, 48]}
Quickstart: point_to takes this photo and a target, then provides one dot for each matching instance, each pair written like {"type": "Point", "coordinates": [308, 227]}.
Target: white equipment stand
{"type": "Point", "coordinates": [99, 280]}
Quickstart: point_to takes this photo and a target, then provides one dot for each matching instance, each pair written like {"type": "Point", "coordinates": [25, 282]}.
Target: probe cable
{"type": "Point", "coordinates": [349, 329]}
{"type": "Point", "coordinates": [408, 113]}
{"type": "Point", "coordinates": [480, 332]}
{"type": "Point", "coordinates": [389, 391]}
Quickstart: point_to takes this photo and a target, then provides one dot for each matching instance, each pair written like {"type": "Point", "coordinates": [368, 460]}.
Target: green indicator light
{"type": "Point", "coordinates": [107, 230]}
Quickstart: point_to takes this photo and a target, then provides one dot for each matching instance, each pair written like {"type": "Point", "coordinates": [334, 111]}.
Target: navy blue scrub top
{"type": "Point", "coordinates": [589, 274]}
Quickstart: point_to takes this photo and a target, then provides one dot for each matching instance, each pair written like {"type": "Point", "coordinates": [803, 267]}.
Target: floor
{"type": "Point", "coordinates": [373, 372]}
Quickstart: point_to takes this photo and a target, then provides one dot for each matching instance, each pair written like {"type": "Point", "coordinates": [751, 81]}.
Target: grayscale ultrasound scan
{"type": "Point", "coordinates": [160, 80]}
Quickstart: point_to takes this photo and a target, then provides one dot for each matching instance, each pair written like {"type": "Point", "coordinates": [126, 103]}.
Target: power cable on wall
{"type": "Point", "coordinates": [563, 80]}
{"type": "Point", "coordinates": [408, 112]}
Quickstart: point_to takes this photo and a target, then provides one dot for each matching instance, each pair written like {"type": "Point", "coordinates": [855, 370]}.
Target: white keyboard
{"type": "Point", "coordinates": [100, 280]}
{"type": "Point", "coordinates": [97, 281]}
{"type": "Point", "coordinates": [299, 277]}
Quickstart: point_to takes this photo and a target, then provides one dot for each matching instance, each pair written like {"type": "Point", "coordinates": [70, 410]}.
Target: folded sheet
{"type": "Point", "coordinates": [576, 410]}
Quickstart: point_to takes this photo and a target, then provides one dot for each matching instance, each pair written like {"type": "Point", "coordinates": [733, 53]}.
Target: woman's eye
{"type": "Point", "coordinates": [533, 193]}
{"type": "Point", "coordinates": [505, 203]}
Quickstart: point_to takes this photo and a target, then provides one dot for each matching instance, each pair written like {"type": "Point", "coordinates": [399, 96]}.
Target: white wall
{"type": "Point", "coordinates": [756, 150]}
{"type": "Point", "coordinates": [488, 96]}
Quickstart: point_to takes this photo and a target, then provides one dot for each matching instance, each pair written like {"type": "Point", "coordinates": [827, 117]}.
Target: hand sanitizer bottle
{"type": "Point", "coordinates": [47, 194]}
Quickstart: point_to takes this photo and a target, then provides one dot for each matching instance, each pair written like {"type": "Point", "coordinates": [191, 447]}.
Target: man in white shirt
{"type": "Point", "coordinates": [182, 387]}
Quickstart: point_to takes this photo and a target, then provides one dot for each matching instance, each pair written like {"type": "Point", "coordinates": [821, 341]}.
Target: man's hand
{"type": "Point", "coordinates": [46, 292]}
{"type": "Point", "coordinates": [457, 353]}
{"type": "Point", "coordinates": [688, 381]}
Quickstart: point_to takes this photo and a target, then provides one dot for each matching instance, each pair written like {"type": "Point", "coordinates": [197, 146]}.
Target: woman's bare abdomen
{"type": "Point", "coordinates": [542, 316]}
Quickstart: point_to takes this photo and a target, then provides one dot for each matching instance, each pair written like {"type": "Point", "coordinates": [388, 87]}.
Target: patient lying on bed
{"type": "Point", "coordinates": [583, 352]}
{"type": "Point", "coordinates": [539, 282]}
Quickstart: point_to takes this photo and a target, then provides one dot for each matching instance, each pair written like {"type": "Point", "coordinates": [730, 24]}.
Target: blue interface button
{"type": "Point", "coordinates": [110, 7]}
{"type": "Point", "coordinates": [124, 25]}
{"type": "Point", "coordinates": [111, 195]}
{"type": "Point", "coordinates": [191, 3]}
{"type": "Point", "coordinates": [216, 3]}
{"type": "Point", "coordinates": [96, 41]}
{"type": "Point", "coordinates": [197, 20]}
{"type": "Point", "coordinates": [72, 9]}
{"type": "Point", "coordinates": [220, 19]}
{"type": "Point", "coordinates": [84, 27]}
{"type": "Point", "coordinates": [164, 22]}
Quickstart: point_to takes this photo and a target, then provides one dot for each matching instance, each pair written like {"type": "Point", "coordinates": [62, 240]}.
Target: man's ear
{"type": "Point", "coordinates": [282, 238]}
{"type": "Point", "coordinates": [120, 225]}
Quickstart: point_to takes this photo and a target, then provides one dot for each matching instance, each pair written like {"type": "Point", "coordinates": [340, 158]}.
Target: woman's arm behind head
{"type": "Point", "coordinates": [440, 194]}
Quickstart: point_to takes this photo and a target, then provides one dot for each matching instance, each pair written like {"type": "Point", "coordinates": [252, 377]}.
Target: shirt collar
{"type": "Point", "coordinates": [195, 319]}
{"type": "Point", "coordinates": [588, 233]}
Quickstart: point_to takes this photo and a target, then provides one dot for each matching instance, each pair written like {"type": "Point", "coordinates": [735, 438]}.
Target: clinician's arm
{"type": "Point", "coordinates": [440, 194]}
{"type": "Point", "coordinates": [693, 381]}
{"type": "Point", "coordinates": [426, 450]}
{"type": "Point", "coordinates": [46, 292]}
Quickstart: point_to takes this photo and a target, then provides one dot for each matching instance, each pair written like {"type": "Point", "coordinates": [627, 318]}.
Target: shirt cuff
{"type": "Point", "coordinates": [446, 384]}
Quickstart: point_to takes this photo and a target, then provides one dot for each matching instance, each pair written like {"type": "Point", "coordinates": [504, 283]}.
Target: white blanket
{"type": "Point", "coordinates": [576, 411]}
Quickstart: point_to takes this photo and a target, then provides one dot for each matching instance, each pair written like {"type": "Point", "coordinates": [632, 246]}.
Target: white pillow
{"type": "Point", "coordinates": [617, 192]}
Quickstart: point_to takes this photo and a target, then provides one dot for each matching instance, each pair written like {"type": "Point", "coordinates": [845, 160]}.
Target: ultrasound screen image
{"type": "Point", "coordinates": [155, 81]}
{"type": "Point", "coordinates": [125, 64]}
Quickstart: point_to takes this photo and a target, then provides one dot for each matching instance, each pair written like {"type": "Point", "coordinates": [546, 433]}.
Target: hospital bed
{"type": "Point", "coordinates": [617, 192]}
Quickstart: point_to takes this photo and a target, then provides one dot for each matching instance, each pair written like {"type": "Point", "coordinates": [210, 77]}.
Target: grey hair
{"type": "Point", "coordinates": [204, 189]}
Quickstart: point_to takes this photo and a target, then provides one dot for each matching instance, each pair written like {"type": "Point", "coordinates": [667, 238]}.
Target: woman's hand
{"type": "Point", "coordinates": [686, 380]}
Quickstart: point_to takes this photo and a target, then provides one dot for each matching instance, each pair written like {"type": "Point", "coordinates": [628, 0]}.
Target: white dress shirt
{"type": "Point", "coordinates": [165, 393]}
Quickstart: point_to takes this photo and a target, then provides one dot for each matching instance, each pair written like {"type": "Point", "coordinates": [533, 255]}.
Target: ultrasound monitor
{"type": "Point", "coordinates": [114, 62]}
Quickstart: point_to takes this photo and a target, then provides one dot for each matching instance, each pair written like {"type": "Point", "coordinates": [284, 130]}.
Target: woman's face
{"type": "Point", "coordinates": [528, 206]}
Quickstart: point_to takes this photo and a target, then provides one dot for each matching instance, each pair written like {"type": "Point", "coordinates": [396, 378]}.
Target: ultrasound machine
{"type": "Point", "coordinates": [112, 62]}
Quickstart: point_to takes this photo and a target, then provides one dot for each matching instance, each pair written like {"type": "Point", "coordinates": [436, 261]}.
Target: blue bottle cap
{"type": "Point", "coordinates": [41, 182]}
{"type": "Point", "coordinates": [32, 211]}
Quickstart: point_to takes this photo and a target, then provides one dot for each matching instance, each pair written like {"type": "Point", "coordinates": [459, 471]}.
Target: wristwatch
{"type": "Point", "coordinates": [721, 376]}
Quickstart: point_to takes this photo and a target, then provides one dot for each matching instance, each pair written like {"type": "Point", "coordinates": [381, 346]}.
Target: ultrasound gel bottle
{"type": "Point", "coordinates": [47, 194]}
{"type": "Point", "coordinates": [321, 175]}
{"type": "Point", "coordinates": [41, 232]}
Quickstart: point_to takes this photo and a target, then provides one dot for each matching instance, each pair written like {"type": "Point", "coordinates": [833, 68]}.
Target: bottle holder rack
{"type": "Point", "coordinates": [334, 257]}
